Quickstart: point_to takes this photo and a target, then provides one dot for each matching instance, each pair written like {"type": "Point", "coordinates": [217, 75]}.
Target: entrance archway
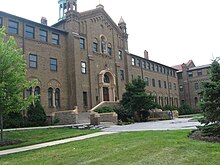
{"type": "Point", "coordinates": [107, 86]}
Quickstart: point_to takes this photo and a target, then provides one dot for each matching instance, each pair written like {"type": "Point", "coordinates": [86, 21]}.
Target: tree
{"type": "Point", "coordinates": [136, 101]}
{"type": "Point", "coordinates": [36, 115]}
{"type": "Point", "coordinates": [211, 101]}
{"type": "Point", "coordinates": [13, 80]}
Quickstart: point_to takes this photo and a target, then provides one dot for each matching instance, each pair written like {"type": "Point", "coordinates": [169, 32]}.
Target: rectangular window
{"type": "Point", "coordinates": [83, 67]}
{"type": "Point", "coordinates": [138, 63]}
{"type": "Point", "coordinates": [43, 35]}
{"type": "Point", "coordinates": [109, 51]}
{"type": "Point", "coordinates": [148, 65]}
{"type": "Point", "coordinates": [29, 32]}
{"type": "Point", "coordinates": [122, 77]}
{"type": "Point", "coordinates": [85, 100]}
{"type": "Point", "coordinates": [161, 69]}
{"type": "Point", "coordinates": [168, 72]}
{"type": "Point", "coordinates": [144, 64]}
{"type": "Point", "coordinates": [157, 68]}
{"type": "Point", "coordinates": [147, 81]}
{"type": "Point", "coordinates": [174, 86]}
{"type": "Point", "coordinates": [190, 74]}
{"type": "Point", "coordinates": [12, 27]}
{"type": "Point", "coordinates": [82, 43]}
{"type": "Point", "coordinates": [159, 83]}
{"type": "Point", "coordinates": [120, 57]}
{"type": "Point", "coordinates": [164, 70]}
{"type": "Point", "coordinates": [165, 84]}
{"type": "Point", "coordinates": [32, 61]}
{"type": "Point", "coordinates": [196, 85]}
{"type": "Point", "coordinates": [153, 67]}
{"type": "Point", "coordinates": [199, 72]}
{"type": "Point", "coordinates": [170, 85]}
{"type": "Point", "coordinates": [133, 61]}
{"type": "Point", "coordinates": [153, 83]}
{"type": "Point", "coordinates": [181, 88]}
{"type": "Point", "coordinates": [95, 47]}
{"type": "Point", "coordinates": [1, 22]}
{"type": "Point", "coordinates": [55, 39]}
{"type": "Point", "coordinates": [180, 75]}
{"type": "Point", "coordinates": [53, 64]}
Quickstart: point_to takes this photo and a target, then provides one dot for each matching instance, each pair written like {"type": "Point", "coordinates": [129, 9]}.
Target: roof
{"type": "Point", "coordinates": [189, 64]}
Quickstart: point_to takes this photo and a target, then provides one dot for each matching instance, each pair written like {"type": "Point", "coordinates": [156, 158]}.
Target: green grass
{"type": "Point", "coordinates": [29, 137]}
{"type": "Point", "coordinates": [134, 148]}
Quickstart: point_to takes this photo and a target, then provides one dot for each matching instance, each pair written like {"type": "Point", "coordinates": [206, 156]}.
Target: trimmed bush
{"type": "Point", "coordinates": [13, 120]}
{"type": "Point", "coordinates": [185, 109]}
{"type": "Point", "coordinates": [104, 110]}
{"type": "Point", "coordinates": [169, 107]}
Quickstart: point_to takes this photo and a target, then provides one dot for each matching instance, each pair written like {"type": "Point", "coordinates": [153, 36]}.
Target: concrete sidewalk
{"type": "Point", "coordinates": [48, 144]}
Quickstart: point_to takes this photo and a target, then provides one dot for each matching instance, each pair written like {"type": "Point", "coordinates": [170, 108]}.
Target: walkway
{"type": "Point", "coordinates": [48, 144]}
{"type": "Point", "coordinates": [176, 124]}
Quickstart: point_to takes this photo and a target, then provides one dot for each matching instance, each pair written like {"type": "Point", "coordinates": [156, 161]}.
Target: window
{"type": "Point", "coordinates": [28, 92]}
{"type": "Point", "coordinates": [174, 86]}
{"type": "Point", "coordinates": [32, 61]}
{"type": "Point", "coordinates": [168, 71]}
{"type": "Point", "coordinates": [55, 39]}
{"type": "Point", "coordinates": [153, 83]}
{"type": "Point", "coordinates": [85, 100]}
{"type": "Point", "coordinates": [133, 61]}
{"type": "Point", "coordinates": [147, 81]}
{"type": "Point", "coordinates": [196, 101]}
{"type": "Point", "coordinates": [106, 79]}
{"type": "Point", "coordinates": [50, 97]}
{"type": "Point", "coordinates": [196, 85]}
{"type": "Point", "coordinates": [109, 51]}
{"type": "Point", "coordinates": [190, 74]}
{"type": "Point", "coordinates": [120, 57]}
{"type": "Point", "coordinates": [29, 31]}
{"type": "Point", "coordinates": [170, 85]}
{"type": "Point", "coordinates": [144, 64]}
{"type": "Point", "coordinates": [83, 67]}
{"type": "Point", "coordinates": [57, 97]}
{"type": "Point", "coordinates": [159, 83]}
{"type": "Point", "coordinates": [122, 74]}
{"type": "Point", "coordinates": [153, 67]}
{"type": "Point", "coordinates": [138, 63]}
{"type": "Point", "coordinates": [174, 73]}
{"type": "Point", "coordinates": [157, 68]}
{"type": "Point", "coordinates": [165, 84]}
{"type": "Point", "coordinates": [199, 72]}
{"type": "Point", "coordinates": [82, 43]}
{"type": "Point", "coordinates": [164, 70]}
{"type": "Point", "coordinates": [1, 22]}
{"type": "Point", "coordinates": [37, 91]}
{"type": "Point", "coordinates": [12, 27]}
{"type": "Point", "coordinates": [95, 46]}
{"type": "Point", "coordinates": [148, 65]}
{"type": "Point", "coordinates": [53, 64]}
{"type": "Point", "coordinates": [180, 75]}
{"type": "Point", "coordinates": [161, 69]}
{"type": "Point", "coordinates": [43, 35]}
{"type": "Point", "coordinates": [181, 88]}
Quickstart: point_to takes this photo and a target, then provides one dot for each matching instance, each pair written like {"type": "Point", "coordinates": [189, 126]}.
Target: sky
{"type": "Point", "coordinates": [172, 31]}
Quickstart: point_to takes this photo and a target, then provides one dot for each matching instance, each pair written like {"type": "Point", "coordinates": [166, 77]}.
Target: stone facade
{"type": "Point", "coordinates": [190, 80]}
{"type": "Point", "coordinates": [83, 60]}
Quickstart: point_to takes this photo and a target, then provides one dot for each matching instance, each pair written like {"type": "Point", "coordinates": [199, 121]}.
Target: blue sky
{"type": "Point", "coordinates": [172, 31]}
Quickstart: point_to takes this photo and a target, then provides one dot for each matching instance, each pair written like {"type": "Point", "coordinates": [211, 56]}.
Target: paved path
{"type": "Point", "coordinates": [42, 145]}
{"type": "Point", "coordinates": [176, 124]}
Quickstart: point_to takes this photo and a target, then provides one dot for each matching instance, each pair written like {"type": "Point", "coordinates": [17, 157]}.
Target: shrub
{"type": "Point", "coordinates": [13, 120]}
{"type": "Point", "coordinates": [169, 107]}
{"type": "Point", "coordinates": [36, 115]}
{"type": "Point", "coordinates": [104, 110]}
{"type": "Point", "coordinates": [185, 109]}
{"type": "Point", "coordinates": [124, 115]}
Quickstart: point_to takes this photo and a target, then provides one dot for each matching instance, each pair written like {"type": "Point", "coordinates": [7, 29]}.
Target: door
{"type": "Point", "coordinates": [106, 93]}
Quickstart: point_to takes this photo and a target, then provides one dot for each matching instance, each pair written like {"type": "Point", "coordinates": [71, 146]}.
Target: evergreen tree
{"type": "Point", "coordinates": [211, 101]}
{"type": "Point", "coordinates": [136, 101]}
{"type": "Point", "coordinates": [12, 78]}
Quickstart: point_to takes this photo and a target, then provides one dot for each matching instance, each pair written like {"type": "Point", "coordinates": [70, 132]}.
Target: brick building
{"type": "Point", "coordinates": [190, 78]}
{"type": "Point", "coordinates": [83, 60]}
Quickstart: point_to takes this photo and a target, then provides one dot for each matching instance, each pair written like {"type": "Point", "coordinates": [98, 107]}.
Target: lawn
{"type": "Point", "coordinates": [133, 148]}
{"type": "Point", "coordinates": [29, 137]}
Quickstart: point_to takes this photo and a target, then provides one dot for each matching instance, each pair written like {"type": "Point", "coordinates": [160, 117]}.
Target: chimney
{"type": "Point", "coordinates": [146, 55]}
{"type": "Point", "coordinates": [43, 20]}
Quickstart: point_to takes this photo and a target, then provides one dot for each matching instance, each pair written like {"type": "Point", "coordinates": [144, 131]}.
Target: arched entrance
{"type": "Point", "coordinates": [107, 86]}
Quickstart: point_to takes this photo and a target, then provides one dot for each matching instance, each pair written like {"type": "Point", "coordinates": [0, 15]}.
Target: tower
{"type": "Point", "coordinates": [122, 26]}
{"type": "Point", "coordinates": [65, 6]}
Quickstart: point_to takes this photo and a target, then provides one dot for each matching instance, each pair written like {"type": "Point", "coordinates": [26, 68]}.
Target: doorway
{"type": "Point", "coordinates": [106, 94]}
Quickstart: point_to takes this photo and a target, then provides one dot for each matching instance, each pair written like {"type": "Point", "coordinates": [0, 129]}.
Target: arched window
{"type": "Point", "coordinates": [109, 49]}
{"type": "Point", "coordinates": [95, 45]}
{"type": "Point", "coordinates": [103, 44]}
{"type": "Point", "coordinates": [106, 79]}
{"type": "Point", "coordinates": [57, 97]}
{"type": "Point", "coordinates": [37, 91]}
{"type": "Point", "coordinates": [50, 97]}
{"type": "Point", "coordinates": [28, 92]}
